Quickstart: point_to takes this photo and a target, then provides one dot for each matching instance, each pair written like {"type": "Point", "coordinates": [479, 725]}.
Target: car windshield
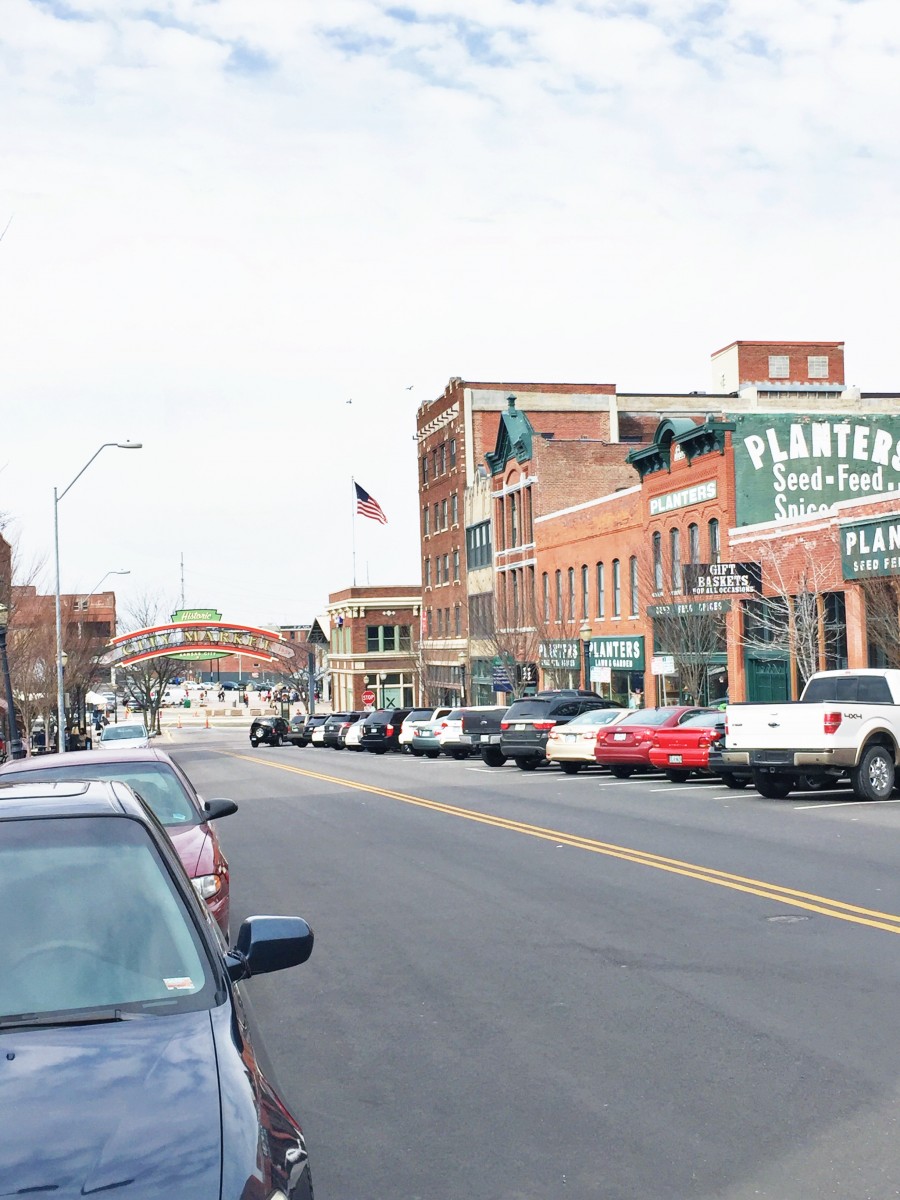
{"type": "Point", "coordinates": [647, 716]}
{"type": "Point", "coordinates": [117, 733]}
{"type": "Point", "coordinates": [705, 720]}
{"type": "Point", "coordinates": [527, 708]}
{"type": "Point", "coordinates": [595, 716]}
{"type": "Point", "coordinates": [155, 782]}
{"type": "Point", "coordinates": [92, 919]}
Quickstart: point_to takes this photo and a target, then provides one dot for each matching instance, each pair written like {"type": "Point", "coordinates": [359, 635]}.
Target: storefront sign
{"type": "Point", "coordinates": [788, 466]}
{"type": "Point", "coordinates": [621, 654]}
{"type": "Point", "coordinates": [697, 494]}
{"type": "Point", "coordinates": [690, 608]}
{"type": "Point", "coordinates": [561, 655]}
{"type": "Point", "coordinates": [601, 674]}
{"type": "Point", "coordinates": [871, 548]}
{"type": "Point", "coordinates": [662, 664]}
{"type": "Point", "coordinates": [721, 579]}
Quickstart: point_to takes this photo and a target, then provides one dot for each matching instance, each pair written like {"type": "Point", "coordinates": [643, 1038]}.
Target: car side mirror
{"type": "Point", "coordinates": [266, 944]}
{"type": "Point", "coordinates": [219, 808]}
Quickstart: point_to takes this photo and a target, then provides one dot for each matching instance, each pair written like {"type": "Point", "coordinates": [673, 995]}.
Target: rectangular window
{"type": "Point", "coordinates": [456, 566]}
{"type": "Point", "coordinates": [428, 622]}
{"type": "Point", "coordinates": [601, 590]}
{"type": "Point", "coordinates": [501, 524]}
{"type": "Point", "coordinates": [405, 637]}
{"type": "Point", "coordinates": [457, 621]}
{"type": "Point", "coordinates": [559, 596]}
{"type": "Point", "coordinates": [437, 570]}
{"type": "Point", "coordinates": [443, 457]}
{"type": "Point", "coordinates": [479, 550]}
{"type": "Point", "coordinates": [426, 520]}
{"type": "Point", "coordinates": [437, 517]}
{"type": "Point", "coordinates": [779, 366]}
{"type": "Point", "coordinates": [515, 598]}
{"type": "Point", "coordinates": [383, 637]}
{"type": "Point", "coordinates": [513, 520]}
{"type": "Point", "coordinates": [546, 582]}
{"type": "Point", "coordinates": [453, 452]}
{"type": "Point", "coordinates": [633, 580]}
{"type": "Point", "coordinates": [617, 588]}
{"type": "Point", "coordinates": [440, 622]}
{"type": "Point", "coordinates": [444, 522]}
{"type": "Point", "coordinates": [427, 572]}
{"type": "Point", "coordinates": [434, 462]}
{"type": "Point", "coordinates": [571, 576]}
{"type": "Point", "coordinates": [447, 620]}
{"type": "Point", "coordinates": [817, 366]}
{"type": "Point", "coordinates": [454, 509]}
{"type": "Point", "coordinates": [447, 574]}
{"type": "Point", "coordinates": [424, 468]}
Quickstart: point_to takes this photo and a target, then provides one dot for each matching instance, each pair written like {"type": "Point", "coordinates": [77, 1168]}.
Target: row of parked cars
{"type": "Point", "coordinates": [573, 728]}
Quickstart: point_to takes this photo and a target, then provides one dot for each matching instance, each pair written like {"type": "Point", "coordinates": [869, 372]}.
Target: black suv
{"type": "Point", "coordinates": [381, 730]}
{"type": "Point", "coordinates": [527, 722]}
{"type": "Point", "coordinates": [272, 731]}
{"type": "Point", "coordinates": [336, 728]}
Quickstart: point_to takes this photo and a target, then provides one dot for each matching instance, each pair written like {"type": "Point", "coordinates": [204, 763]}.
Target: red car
{"type": "Point", "coordinates": [684, 748]}
{"type": "Point", "coordinates": [625, 746]}
{"type": "Point", "coordinates": [170, 795]}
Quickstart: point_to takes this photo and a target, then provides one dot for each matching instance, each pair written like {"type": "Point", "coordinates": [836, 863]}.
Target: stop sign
{"type": "Point", "coordinates": [368, 697]}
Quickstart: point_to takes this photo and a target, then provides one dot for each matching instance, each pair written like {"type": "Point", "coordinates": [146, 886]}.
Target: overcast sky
{"type": "Point", "coordinates": [228, 219]}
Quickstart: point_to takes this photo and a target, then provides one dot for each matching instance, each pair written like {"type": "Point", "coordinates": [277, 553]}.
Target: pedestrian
{"type": "Point", "coordinates": [221, 695]}
{"type": "Point", "coordinates": [246, 699]}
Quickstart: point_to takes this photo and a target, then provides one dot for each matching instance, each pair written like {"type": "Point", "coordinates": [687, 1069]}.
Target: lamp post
{"type": "Point", "coordinates": [585, 634]}
{"type": "Point", "coordinates": [381, 688]}
{"type": "Point", "coordinates": [57, 496]}
{"type": "Point", "coordinates": [462, 676]}
{"type": "Point", "coordinates": [16, 748]}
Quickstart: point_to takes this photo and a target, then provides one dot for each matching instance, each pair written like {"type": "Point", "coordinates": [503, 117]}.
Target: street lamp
{"type": "Point", "coordinates": [16, 749]}
{"type": "Point", "coordinates": [381, 678]}
{"type": "Point", "coordinates": [96, 587]}
{"type": "Point", "coordinates": [585, 634]}
{"type": "Point", "coordinates": [57, 496]}
{"type": "Point", "coordinates": [462, 676]}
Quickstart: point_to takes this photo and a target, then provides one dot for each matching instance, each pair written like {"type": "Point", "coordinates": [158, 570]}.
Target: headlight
{"type": "Point", "coordinates": [207, 885]}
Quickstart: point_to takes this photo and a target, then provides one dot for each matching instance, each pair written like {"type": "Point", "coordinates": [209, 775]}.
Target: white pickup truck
{"type": "Point", "coordinates": [846, 723]}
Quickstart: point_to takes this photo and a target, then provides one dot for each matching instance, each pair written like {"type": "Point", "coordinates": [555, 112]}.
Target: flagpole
{"type": "Point", "coordinates": [353, 525]}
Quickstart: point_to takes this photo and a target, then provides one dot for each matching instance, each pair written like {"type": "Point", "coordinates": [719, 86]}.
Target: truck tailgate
{"type": "Point", "coordinates": [792, 726]}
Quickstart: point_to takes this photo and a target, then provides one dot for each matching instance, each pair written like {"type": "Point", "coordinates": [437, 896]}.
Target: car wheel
{"type": "Point", "coordinates": [773, 787]}
{"type": "Point", "coordinates": [493, 757]}
{"type": "Point", "coordinates": [677, 776]}
{"type": "Point", "coordinates": [813, 783]}
{"type": "Point", "coordinates": [873, 778]}
{"type": "Point", "coordinates": [459, 755]}
{"type": "Point", "coordinates": [570, 768]}
{"type": "Point", "coordinates": [527, 764]}
{"type": "Point", "coordinates": [735, 782]}
{"type": "Point", "coordinates": [254, 742]}
{"type": "Point", "coordinates": [276, 740]}
{"type": "Point", "coordinates": [432, 754]}
{"type": "Point", "coordinates": [417, 753]}
{"type": "Point", "coordinates": [621, 772]}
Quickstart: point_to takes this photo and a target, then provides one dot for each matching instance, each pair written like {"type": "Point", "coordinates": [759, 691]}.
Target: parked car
{"type": "Point", "coordinates": [454, 741]}
{"type": "Point", "coordinates": [625, 747]}
{"type": "Point", "coordinates": [335, 728]}
{"type": "Point", "coordinates": [302, 728]}
{"type": "Point", "coordinates": [271, 731]}
{"type": "Point", "coordinates": [317, 736]}
{"type": "Point", "coordinates": [113, 971]}
{"type": "Point", "coordinates": [414, 717]}
{"type": "Point", "coordinates": [381, 730]}
{"type": "Point", "coordinates": [482, 727]}
{"type": "Point", "coordinates": [682, 749]}
{"type": "Point", "coordinates": [354, 733]}
{"type": "Point", "coordinates": [228, 685]}
{"type": "Point", "coordinates": [526, 726]}
{"type": "Point", "coordinates": [127, 735]}
{"type": "Point", "coordinates": [425, 741]}
{"type": "Point", "coordinates": [572, 744]}
{"type": "Point", "coordinates": [168, 793]}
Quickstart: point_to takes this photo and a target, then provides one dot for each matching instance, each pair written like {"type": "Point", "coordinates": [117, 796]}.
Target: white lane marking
{"type": "Point", "coordinates": [843, 804]}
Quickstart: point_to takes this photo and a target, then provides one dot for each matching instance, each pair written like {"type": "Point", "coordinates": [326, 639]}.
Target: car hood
{"type": "Point", "coordinates": [130, 1108]}
{"type": "Point", "coordinates": [194, 847]}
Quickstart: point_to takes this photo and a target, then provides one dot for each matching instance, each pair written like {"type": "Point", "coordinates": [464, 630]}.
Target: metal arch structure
{"type": "Point", "coordinates": [195, 639]}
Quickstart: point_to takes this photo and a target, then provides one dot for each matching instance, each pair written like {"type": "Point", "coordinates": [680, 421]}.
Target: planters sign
{"type": "Point", "coordinates": [788, 467]}
{"type": "Point", "coordinates": [871, 548]}
{"type": "Point", "coordinates": [622, 654]}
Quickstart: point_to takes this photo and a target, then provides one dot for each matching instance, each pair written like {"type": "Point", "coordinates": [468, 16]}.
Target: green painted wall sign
{"type": "Point", "coordinates": [620, 653]}
{"type": "Point", "coordinates": [871, 547]}
{"type": "Point", "coordinates": [788, 466]}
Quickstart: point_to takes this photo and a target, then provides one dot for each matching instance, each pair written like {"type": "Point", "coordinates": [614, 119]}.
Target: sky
{"type": "Point", "coordinates": [254, 235]}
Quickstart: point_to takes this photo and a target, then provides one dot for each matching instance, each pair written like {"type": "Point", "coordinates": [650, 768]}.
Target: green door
{"type": "Point", "coordinates": [767, 680]}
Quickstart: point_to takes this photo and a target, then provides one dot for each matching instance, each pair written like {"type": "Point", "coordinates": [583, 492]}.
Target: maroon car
{"type": "Point", "coordinates": [170, 795]}
{"type": "Point", "coordinates": [625, 746]}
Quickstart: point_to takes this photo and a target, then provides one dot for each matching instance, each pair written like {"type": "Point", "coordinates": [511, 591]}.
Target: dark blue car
{"type": "Point", "coordinates": [126, 1060]}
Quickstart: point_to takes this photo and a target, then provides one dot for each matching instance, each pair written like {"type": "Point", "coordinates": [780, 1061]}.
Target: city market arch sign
{"type": "Point", "coordinates": [195, 639]}
{"type": "Point", "coordinates": [788, 466]}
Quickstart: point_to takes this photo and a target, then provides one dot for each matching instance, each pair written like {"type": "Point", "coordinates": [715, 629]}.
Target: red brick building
{"type": "Point", "coordinates": [374, 647]}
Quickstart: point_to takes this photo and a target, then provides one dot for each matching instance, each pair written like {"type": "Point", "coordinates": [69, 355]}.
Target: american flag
{"type": "Point", "coordinates": [367, 506]}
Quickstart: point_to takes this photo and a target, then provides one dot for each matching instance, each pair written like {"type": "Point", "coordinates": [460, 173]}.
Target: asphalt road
{"type": "Point", "coordinates": [530, 985]}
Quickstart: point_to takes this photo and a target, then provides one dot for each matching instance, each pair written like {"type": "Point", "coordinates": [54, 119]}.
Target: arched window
{"type": "Point", "coordinates": [633, 589]}
{"type": "Point", "coordinates": [601, 590]}
{"type": "Point", "coordinates": [617, 588]}
{"type": "Point", "coordinates": [559, 596]}
{"type": "Point", "coordinates": [546, 581]}
{"type": "Point", "coordinates": [585, 586]}
{"type": "Point", "coordinates": [675, 551]}
{"type": "Point", "coordinates": [714, 547]}
{"type": "Point", "coordinates": [571, 612]}
{"type": "Point", "coordinates": [693, 542]}
{"type": "Point", "coordinates": [657, 563]}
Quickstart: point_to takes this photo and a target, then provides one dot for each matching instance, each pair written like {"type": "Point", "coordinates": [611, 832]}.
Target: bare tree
{"type": "Point", "coordinates": [293, 671]}
{"type": "Point", "coordinates": [146, 681]}
{"type": "Point", "coordinates": [882, 597]}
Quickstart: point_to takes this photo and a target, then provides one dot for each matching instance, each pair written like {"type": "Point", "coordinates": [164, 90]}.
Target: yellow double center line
{"type": "Point", "coordinates": [889, 922]}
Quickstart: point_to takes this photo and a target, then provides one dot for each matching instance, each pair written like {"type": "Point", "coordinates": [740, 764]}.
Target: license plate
{"type": "Point", "coordinates": [619, 737]}
{"type": "Point", "coordinates": [518, 726]}
{"type": "Point", "coordinates": [570, 737]}
{"type": "Point", "coordinates": [674, 758]}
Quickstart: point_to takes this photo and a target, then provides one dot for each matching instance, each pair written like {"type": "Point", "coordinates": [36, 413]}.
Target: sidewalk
{"type": "Point", "coordinates": [222, 715]}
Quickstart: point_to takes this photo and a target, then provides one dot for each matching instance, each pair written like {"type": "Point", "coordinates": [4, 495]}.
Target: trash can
{"type": "Point", "coordinates": [187, 702]}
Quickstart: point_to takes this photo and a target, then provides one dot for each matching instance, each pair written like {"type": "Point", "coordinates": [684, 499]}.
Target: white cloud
{"type": "Point", "coordinates": [231, 217]}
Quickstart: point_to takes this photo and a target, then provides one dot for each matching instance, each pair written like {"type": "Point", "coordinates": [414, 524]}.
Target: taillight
{"type": "Point", "coordinates": [543, 726]}
{"type": "Point", "coordinates": [504, 724]}
{"type": "Point", "coordinates": [832, 722]}
{"type": "Point", "coordinates": [553, 736]}
{"type": "Point", "coordinates": [443, 724]}
{"type": "Point", "coordinates": [388, 729]}
{"type": "Point", "coordinates": [704, 743]}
